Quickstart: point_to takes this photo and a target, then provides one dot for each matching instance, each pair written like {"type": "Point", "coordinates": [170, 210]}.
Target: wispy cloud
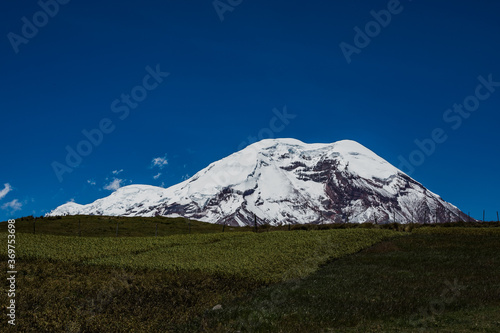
{"type": "Point", "coordinates": [91, 182]}
{"type": "Point", "coordinates": [116, 172]}
{"type": "Point", "coordinates": [13, 205]}
{"type": "Point", "coordinates": [157, 175]}
{"type": "Point", "coordinates": [114, 185]}
{"type": "Point", "coordinates": [159, 162]}
{"type": "Point", "coordinates": [7, 189]}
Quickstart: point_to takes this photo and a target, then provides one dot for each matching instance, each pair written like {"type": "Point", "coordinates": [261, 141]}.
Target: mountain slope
{"type": "Point", "coordinates": [282, 181]}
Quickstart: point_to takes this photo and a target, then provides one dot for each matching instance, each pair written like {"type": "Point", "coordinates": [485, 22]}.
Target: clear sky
{"type": "Point", "coordinates": [150, 92]}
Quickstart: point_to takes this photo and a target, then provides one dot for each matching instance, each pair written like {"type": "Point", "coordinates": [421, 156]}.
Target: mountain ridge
{"type": "Point", "coordinates": [284, 181]}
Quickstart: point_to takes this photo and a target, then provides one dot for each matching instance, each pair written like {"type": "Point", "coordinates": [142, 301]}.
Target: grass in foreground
{"type": "Point", "coordinates": [267, 257]}
{"type": "Point", "coordinates": [153, 284]}
{"type": "Point", "coordinates": [394, 286]}
{"type": "Point", "coordinates": [437, 279]}
{"type": "Point", "coordinates": [59, 296]}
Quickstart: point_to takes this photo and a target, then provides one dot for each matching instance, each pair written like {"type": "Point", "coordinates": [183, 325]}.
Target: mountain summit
{"type": "Point", "coordinates": [284, 181]}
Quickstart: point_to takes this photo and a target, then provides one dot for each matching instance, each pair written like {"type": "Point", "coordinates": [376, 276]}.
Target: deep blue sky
{"type": "Point", "coordinates": [226, 77]}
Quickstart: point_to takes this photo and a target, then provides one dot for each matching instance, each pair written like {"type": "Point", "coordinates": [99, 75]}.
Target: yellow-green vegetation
{"type": "Point", "coordinates": [437, 279]}
{"type": "Point", "coordinates": [137, 283]}
{"type": "Point", "coordinates": [267, 257]}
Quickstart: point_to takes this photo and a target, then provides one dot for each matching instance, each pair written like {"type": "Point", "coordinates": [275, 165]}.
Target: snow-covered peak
{"type": "Point", "coordinates": [282, 181]}
{"type": "Point", "coordinates": [351, 154]}
{"type": "Point", "coordinates": [137, 190]}
{"type": "Point", "coordinates": [267, 143]}
{"type": "Point", "coordinates": [68, 208]}
{"type": "Point", "coordinates": [127, 200]}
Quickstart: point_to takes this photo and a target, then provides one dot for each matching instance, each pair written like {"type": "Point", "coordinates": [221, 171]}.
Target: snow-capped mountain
{"type": "Point", "coordinates": [283, 181]}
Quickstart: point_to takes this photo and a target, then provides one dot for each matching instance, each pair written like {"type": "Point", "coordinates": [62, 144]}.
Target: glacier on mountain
{"type": "Point", "coordinates": [284, 181]}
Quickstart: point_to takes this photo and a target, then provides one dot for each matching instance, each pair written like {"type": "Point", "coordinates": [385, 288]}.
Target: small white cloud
{"type": "Point", "coordinates": [186, 176]}
{"type": "Point", "coordinates": [114, 185]}
{"type": "Point", "coordinates": [91, 182]}
{"type": "Point", "coordinates": [116, 172]}
{"type": "Point", "coordinates": [159, 162]}
{"type": "Point", "coordinates": [157, 175]}
{"type": "Point", "coordinates": [7, 188]}
{"type": "Point", "coordinates": [13, 205]}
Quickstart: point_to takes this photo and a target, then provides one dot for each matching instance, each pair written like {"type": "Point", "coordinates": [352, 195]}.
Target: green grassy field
{"type": "Point", "coordinates": [362, 279]}
{"type": "Point", "coordinates": [435, 280]}
{"type": "Point", "coordinates": [264, 257]}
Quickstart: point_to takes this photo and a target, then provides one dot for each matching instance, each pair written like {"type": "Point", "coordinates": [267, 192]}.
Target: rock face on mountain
{"type": "Point", "coordinates": [284, 181]}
